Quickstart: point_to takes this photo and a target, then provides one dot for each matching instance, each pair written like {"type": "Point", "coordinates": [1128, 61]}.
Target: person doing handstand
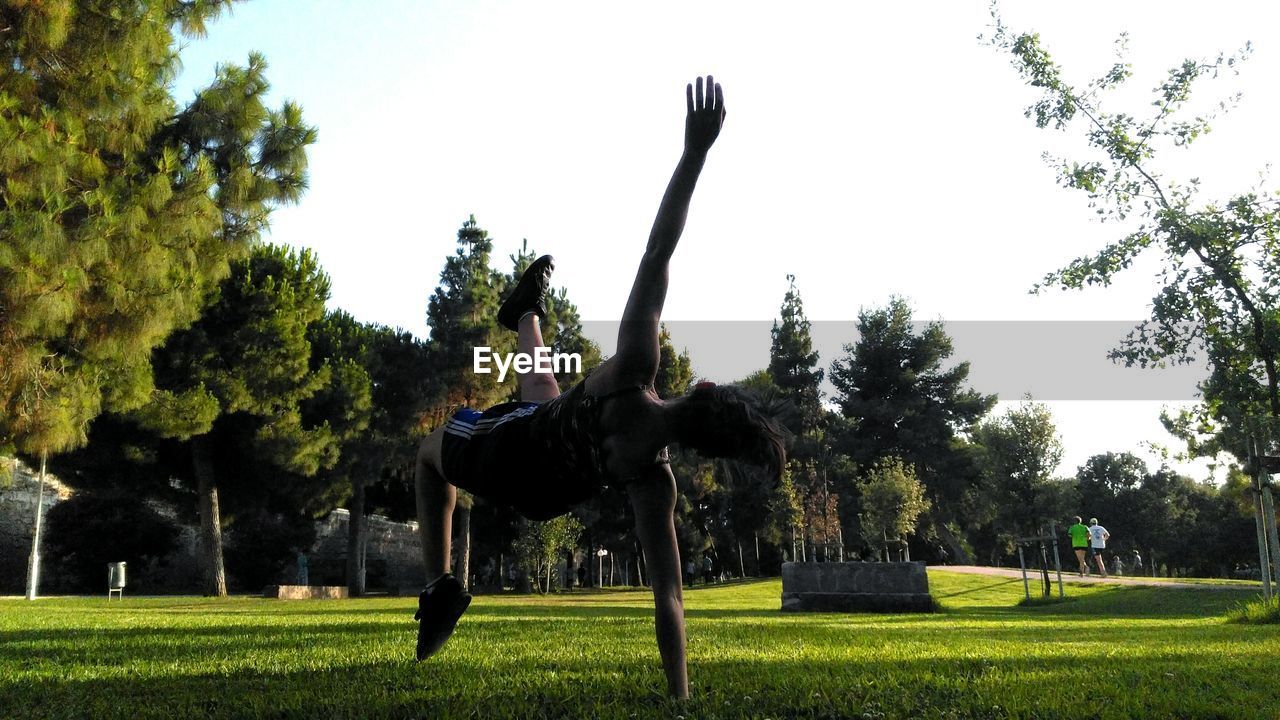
{"type": "Point", "coordinates": [551, 451]}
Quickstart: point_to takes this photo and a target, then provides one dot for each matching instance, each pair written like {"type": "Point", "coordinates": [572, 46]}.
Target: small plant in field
{"type": "Point", "coordinates": [1256, 612]}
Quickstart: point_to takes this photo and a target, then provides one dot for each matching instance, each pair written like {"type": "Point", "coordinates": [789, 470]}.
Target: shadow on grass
{"type": "Point", "coordinates": [985, 588]}
{"type": "Point", "coordinates": [525, 635]}
{"type": "Point", "coordinates": [376, 690]}
{"type": "Point", "coordinates": [1137, 603]}
{"type": "Point", "coordinates": [237, 630]}
{"type": "Point", "coordinates": [289, 610]}
{"type": "Point", "coordinates": [1097, 602]}
{"type": "Point", "coordinates": [473, 683]}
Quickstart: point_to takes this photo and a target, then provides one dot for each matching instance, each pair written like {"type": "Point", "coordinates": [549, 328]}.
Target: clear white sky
{"type": "Point", "coordinates": [870, 149]}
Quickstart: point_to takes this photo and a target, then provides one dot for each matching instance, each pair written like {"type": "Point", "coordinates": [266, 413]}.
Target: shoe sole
{"type": "Point", "coordinates": [509, 318]}
{"type": "Point", "coordinates": [445, 632]}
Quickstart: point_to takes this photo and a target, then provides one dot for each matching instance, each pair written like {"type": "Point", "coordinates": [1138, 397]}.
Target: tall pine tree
{"type": "Point", "coordinates": [462, 314]}
{"type": "Point", "coordinates": [235, 388]}
{"type": "Point", "coordinates": [119, 211]}
{"type": "Point", "coordinates": [793, 363]}
{"type": "Point", "coordinates": [793, 369]}
{"type": "Point", "coordinates": [398, 366]}
{"type": "Point", "coordinates": [900, 401]}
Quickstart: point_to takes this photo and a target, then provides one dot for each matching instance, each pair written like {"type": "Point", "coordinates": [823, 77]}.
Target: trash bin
{"type": "Point", "coordinates": [115, 579]}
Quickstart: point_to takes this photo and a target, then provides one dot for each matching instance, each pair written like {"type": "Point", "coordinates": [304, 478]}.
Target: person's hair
{"type": "Point", "coordinates": [1077, 519]}
{"type": "Point", "coordinates": [723, 421]}
{"type": "Point", "coordinates": [1093, 521]}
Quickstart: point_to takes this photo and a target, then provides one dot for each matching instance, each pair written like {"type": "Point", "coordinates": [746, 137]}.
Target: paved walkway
{"type": "Point", "coordinates": [1071, 577]}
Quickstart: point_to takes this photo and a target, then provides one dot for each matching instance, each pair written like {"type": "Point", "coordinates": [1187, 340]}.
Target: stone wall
{"type": "Point", "coordinates": [393, 558]}
{"type": "Point", "coordinates": [17, 521]}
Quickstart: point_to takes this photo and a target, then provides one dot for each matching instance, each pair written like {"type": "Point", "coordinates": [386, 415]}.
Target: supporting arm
{"type": "Point", "coordinates": [654, 499]}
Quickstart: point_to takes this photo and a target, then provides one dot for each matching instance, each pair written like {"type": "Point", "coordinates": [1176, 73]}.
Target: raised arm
{"type": "Point", "coordinates": [637, 356]}
{"type": "Point", "coordinates": [653, 497]}
{"type": "Point", "coordinates": [703, 119]}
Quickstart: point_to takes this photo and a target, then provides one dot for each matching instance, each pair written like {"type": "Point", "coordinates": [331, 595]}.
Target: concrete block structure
{"type": "Point", "coordinates": [855, 587]}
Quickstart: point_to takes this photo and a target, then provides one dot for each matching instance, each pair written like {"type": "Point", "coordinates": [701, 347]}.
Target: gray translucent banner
{"type": "Point", "coordinates": [1050, 360]}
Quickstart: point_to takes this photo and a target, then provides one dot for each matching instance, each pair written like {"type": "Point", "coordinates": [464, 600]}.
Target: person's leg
{"type": "Point", "coordinates": [535, 386]}
{"type": "Point", "coordinates": [523, 311]}
{"type": "Point", "coordinates": [435, 500]}
{"type": "Point", "coordinates": [444, 600]}
{"type": "Point", "coordinates": [1080, 560]}
{"type": "Point", "coordinates": [1102, 566]}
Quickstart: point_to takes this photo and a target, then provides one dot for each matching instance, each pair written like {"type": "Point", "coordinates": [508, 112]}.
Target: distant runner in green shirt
{"type": "Point", "coordinates": [1079, 542]}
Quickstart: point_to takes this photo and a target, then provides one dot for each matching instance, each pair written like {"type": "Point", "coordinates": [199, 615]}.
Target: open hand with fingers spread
{"type": "Point", "coordinates": [705, 115]}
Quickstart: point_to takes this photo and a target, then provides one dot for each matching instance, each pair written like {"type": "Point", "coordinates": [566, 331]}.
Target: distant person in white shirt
{"type": "Point", "coordinates": [1117, 565]}
{"type": "Point", "coordinates": [1097, 543]}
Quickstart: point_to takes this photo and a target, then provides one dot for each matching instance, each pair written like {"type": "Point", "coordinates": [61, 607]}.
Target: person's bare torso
{"type": "Point", "coordinates": [631, 426]}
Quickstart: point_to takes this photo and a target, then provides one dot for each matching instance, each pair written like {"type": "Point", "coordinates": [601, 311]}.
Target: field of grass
{"type": "Point", "coordinates": [1107, 652]}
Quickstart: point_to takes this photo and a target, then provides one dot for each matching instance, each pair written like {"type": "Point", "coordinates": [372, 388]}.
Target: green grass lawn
{"type": "Point", "coordinates": [1107, 652]}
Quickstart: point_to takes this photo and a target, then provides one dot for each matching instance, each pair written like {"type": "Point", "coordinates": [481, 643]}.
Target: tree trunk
{"type": "Point", "coordinates": [357, 538]}
{"type": "Point", "coordinates": [211, 566]}
{"type": "Point", "coordinates": [742, 568]}
{"type": "Point", "coordinates": [962, 557]}
{"type": "Point", "coordinates": [1269, 508]}
{"type": "Point", "coordinates": [463, 570]}
{"type": "Point", "coordinates": [33, 566]}
{"type": "Point", "coordinates": [1264, 550]}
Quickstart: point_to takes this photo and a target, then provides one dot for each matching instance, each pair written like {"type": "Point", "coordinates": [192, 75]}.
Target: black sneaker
{"type": "Point", "coordinates": [529, 294]}
{"type": "Point", "coordinates": [439, 607]}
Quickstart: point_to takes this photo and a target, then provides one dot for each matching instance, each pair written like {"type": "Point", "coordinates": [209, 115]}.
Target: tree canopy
{"type": "Point", "coordinates": [120, 209]}
{"type": "Point", "coordinates": [1219, 285]}
{"type": "Point", "coordinates": [903, 399]}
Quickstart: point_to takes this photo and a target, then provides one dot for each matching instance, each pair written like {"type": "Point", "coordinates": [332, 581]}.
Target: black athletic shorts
{"type": "Point", "coordinates": [540, 458]}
